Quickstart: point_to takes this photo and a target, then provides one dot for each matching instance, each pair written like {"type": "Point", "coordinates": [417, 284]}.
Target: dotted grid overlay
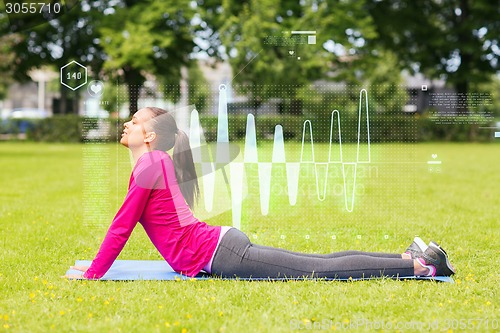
{"type": "Point", "coordinates": [123, 159]}
{"type": "Point", "coordinates": [96, 167]}
{"type": "Point", "coordinates": [384, 189]}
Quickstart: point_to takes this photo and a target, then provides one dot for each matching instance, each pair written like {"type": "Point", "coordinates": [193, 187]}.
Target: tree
{"type": "Point", "coordinates": [72, 36]}
{"type": "Point", "coordinates": [198, 89]}
{"type": "Point", "coordinates": [128, 39]}
{"type": "Point", "coordinates": [7, 60]}
{"type": "Point", "coordinates": [264, 54]}
{"type": "Point", "coordinates": [457, 40]}
{"type": "Point", "coordinates": [147, 36]}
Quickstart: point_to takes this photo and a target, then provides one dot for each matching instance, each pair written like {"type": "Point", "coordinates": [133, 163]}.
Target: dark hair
{"type": "Point", "coordinates": [169, 136]}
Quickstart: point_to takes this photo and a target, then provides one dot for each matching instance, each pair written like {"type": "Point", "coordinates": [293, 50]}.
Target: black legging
{"type": "Point", "coordinates": [236, 256]}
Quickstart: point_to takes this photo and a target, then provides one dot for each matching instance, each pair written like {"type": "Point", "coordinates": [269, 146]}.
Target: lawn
{"type": "Point", "coordinates": [52, 213]}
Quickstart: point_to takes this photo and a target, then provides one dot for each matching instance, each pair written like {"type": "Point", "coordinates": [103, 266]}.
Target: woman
{"type": "Point", "coordinates": [161, 192]}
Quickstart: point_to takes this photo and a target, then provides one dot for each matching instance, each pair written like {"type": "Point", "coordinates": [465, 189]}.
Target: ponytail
{"type": "Point", "coordinates": [163, 123]}
{"type": "Point", "coordinates": [185, 171]}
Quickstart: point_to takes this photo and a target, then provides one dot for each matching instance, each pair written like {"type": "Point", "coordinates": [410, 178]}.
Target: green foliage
{"type": "Point", "coordinates": [452, 39]}
{"type": "Point", "coordinates": [120, 39]}
{"type": "Point", "coordinates": [385, 84]}
{"type": "Point", "coordinates": [490, 88]}
{"type": "Point", "coordinates": [7, 60]}
{"type": "Point", "coordinates": [344, 49]}
{"type": "Point", "coordinates": [198, 89]}
{"type": "Point", "coordinates": [111, 90]}
{"type": "Point", "coordinates": [147, 37]}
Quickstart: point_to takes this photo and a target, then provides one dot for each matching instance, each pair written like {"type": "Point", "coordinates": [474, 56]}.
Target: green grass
{"type": "Point", "coordinates": [44, 230]}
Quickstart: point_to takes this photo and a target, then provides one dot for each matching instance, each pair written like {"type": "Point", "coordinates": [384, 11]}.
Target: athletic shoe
{"type": "Point", "coordinates": [417, 248]}
{"type": "Point", "coordinates": [436, 260]}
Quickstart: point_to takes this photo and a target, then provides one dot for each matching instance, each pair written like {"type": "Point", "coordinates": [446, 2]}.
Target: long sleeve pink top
{"type": "Point", "coordinates": [154, 199]}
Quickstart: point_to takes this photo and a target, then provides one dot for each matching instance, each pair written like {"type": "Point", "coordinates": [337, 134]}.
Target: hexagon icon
{"type": "Point", "coordinates": [73, 75]}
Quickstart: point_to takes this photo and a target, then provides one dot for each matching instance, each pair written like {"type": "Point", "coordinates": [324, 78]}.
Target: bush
{"type": "Point", "coordinates": [383, 128]}
{"type": "Point", "coordinates": [59, 128]}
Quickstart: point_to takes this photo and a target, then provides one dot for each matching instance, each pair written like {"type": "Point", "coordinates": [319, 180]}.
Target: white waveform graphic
{"type": "Point", "coordinates": [250, 155]}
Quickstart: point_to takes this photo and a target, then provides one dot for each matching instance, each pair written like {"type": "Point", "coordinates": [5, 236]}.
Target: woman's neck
{"type": "Point", "coordinates": [138, 152]}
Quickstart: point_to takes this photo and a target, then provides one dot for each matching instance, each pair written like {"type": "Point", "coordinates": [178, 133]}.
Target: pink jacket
{"type": "Point", "coordinates": [154, 199]}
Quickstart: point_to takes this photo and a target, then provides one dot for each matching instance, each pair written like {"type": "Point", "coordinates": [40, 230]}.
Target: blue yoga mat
{"type": "Point", "coordinates": [124, 270]}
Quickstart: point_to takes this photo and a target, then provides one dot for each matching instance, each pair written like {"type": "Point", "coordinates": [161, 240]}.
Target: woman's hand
{"type": "Point", "coordinates": [83, 269]}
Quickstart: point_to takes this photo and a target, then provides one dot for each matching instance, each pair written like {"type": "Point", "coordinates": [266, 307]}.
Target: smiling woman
{"type": "Point", "coordinates": [163, 190]}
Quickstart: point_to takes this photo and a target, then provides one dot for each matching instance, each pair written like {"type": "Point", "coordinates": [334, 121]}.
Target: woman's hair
{"type": "Point", "coordinates": [168, 137]}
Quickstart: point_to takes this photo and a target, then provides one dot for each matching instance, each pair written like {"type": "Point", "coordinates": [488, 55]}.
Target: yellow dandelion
{"type": "Point", "coordinates": [79, 299]}
{"type": "Point", "coordinates": [189, 316]}
{"type": "Point", "coordinates": [36, 278]}
{"type": "Point", "coordinates": [90, 315]}
{"type": "Point", "coordinates": [160, 306]}
{"type": "Point", "coordinates": [346, 321]}
{"type": "Point", "coordinates": [32, 295]}
{"type": "Point", "coordinates": [106, 302]}
{"type": "Point", "coordinates": [5, 317]}
{"type": "Point", "coordinates": [221, 314]}
{"type": "Point", "coordinates": [184, 330]}
{"type": "Point", "coordinates": [167, 324]}
{"type": "Point", "coordinates": [176, 323]}
{"type": "Point", "coordinates": [488, 303]}
{"type": "Point", "coordinates": [6, 326]}
{"type": "Point", "coordinates": [62, 312]}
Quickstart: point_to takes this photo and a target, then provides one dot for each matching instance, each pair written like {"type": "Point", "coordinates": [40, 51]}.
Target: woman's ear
{"type": "Point", "coordinates": [150, 136]}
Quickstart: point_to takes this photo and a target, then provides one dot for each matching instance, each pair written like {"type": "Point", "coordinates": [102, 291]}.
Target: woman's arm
{"type": "Point", "coordinates": [120, 230]}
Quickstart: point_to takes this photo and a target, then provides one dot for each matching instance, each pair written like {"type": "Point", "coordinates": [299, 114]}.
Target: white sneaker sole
{"type": "Point", "coordinates": [420, 243]}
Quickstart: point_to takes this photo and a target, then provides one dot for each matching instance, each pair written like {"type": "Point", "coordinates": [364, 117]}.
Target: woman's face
{"type": "Point", "coordinates": [134, 134]}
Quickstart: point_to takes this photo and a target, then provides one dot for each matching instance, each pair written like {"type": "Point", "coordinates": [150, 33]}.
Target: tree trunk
{"type": "Point", "coordinates": [76, 103]}
{"type": "Point", "coordinates": [134, 81]}
{"type": "Point", "coordinates": [133, 92]}
{"type": "Point", "coordinates": [462, 90]}
{"type": "Point", "coordinates": [464, 35]}
{"type": "Point", "coordinates": [63, 101]}
{"type": "Point", "coordinates": [296, 107]}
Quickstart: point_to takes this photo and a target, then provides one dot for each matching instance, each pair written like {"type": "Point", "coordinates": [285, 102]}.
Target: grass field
{"type": "Point", "coordinates": [44, 230]}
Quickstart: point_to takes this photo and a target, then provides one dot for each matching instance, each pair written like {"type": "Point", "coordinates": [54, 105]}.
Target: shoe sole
{"type": "Point", "coordinates": [420, 243]}
{"type": "Point", "coordinates": [438, 248]}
